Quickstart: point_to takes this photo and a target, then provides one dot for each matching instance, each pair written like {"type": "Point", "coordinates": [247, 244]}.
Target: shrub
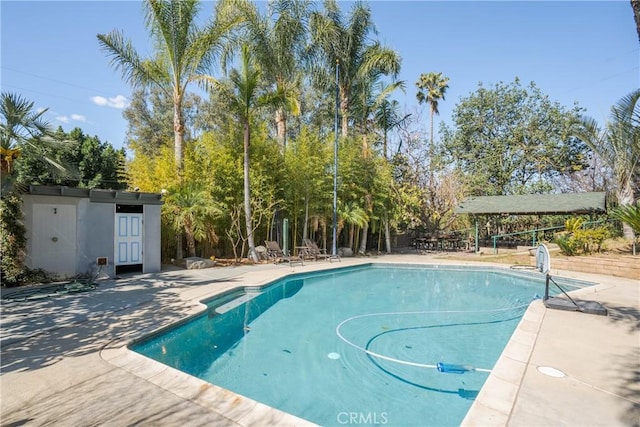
{"type": "Point", "coordinates": [567, 245]}
{"type": "Point", "coordinates": [582, 241]}
{"type": "Point", "coordinates": [13, 240]}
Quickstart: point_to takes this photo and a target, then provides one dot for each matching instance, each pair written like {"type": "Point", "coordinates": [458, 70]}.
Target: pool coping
{"type": "Point", "coordinates": [493, 405]}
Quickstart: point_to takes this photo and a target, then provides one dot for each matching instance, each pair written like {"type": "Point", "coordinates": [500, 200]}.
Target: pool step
{"type": "Point", "coordinates": [236, 302]}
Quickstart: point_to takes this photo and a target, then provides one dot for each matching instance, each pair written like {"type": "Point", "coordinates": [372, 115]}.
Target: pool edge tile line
{"type": "Point", "coordinates": [497, 398]}
{"type": "Point", "coordinates": [238, 409]}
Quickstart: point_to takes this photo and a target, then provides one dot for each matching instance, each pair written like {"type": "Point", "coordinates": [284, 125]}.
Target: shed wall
{"type": "Point", "coordinates": [93, 235]}
{"type": "Point", "coordinates": [151, 255]}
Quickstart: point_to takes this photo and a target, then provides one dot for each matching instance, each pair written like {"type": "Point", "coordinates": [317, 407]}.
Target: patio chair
{"type": "Point", "coordinates": [316, 252]}
{"type": "Point", "coordinates": [275, 254]}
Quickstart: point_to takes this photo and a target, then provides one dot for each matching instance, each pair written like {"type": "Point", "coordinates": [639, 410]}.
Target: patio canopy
{"type": "Point", "coordinates": [535, 204]}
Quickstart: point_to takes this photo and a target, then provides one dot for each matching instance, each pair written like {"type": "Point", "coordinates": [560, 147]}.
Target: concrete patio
{"type": "Point", "coordinates": [64, 360]}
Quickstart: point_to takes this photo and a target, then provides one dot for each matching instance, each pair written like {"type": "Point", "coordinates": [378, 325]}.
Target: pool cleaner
{"type": "Point", "coordinates": [449, 368]}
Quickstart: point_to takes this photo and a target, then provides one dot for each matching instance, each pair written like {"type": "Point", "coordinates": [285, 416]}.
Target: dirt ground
{"type": "Point", "coordinates": [611, 249]}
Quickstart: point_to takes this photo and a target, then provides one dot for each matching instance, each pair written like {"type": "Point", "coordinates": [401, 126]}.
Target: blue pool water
{"type": "Point", "coordinates": [355, 345]}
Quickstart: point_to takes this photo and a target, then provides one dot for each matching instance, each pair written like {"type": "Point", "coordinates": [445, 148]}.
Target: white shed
{"type": "Point", "coordinates": [71, 231]}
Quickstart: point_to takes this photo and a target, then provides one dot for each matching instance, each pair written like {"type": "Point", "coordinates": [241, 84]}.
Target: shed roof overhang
{"type": "Point", "coordinates": [535, 204]}
{"type": "Point", "coordinates": [97, 195]}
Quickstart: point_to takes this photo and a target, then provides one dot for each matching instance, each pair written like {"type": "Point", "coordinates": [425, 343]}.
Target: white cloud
{"type": "Point", "coordinates": [78, 117]}
{"type": "Point", "coordinates": [63, 119]}
{"type": "Point", "coordinates": [118, 101]}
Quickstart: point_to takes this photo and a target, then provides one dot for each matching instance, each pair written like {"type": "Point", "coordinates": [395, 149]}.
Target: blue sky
{"type": "Point", "coordinates": [576, 51]}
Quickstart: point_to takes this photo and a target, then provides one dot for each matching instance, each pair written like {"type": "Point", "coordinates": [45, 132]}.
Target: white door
{"type": "Point", "coordinates": [128, 238]}
{"type": "Point", "coordinates": [53, 239]}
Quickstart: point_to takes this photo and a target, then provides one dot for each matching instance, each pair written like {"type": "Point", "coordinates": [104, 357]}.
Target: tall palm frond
{"type": "Point", "coordinates": [23, 128]}
{"type": "Point", "coordinates": [629, 214]}
{"type": "Point", "coordinates": [618, 145]}
{"type": "Point", "coordinates": [278, 40]}
{"type": "Point", "coordinates": [243, 94]}
{"type": "Point", "coordinates": [347, 42]}
{"type": "Point", "coordinates": [183, 52]}
{"type": "Point", "coordinates": [431, 89]}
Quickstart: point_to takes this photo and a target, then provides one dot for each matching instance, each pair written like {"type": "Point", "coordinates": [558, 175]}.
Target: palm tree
{"type": "Point", "coordinates": [184, 52]}
{"type": "Point", "coordinates": [629, 214]}
{"type": "Point", "coordinates": [21, 127]}
{"type": "Point", "coordinates": [243, 98]}
{"type": "Point", "coordinates": [373, 93]}
{"type": "Point", "coordinates": [345, 40]}
{"type": "Point", "coordinates": [635, 5]}
{"type": "Point", "coordinates": [387, 118]}
{"type": "Point", "coordinates": [277, 43]}
{"type": "Point", "coordinates": [191, 208]}
{"type": "Point", "coordinates": [618, 145]}
{"type": "Point", "coordinates": [431, 89]}
{"type": "Point", "coordinates": [352, 214]}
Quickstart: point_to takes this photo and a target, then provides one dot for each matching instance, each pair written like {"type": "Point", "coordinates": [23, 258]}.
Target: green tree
{"type": "Point", "coordinates": [630, 215]}
{"type": "Point", "coordinates": [244, 97]}
{"type": "Point", "coordinates": [93, 164]}
{"type": "Point", "coordinates": [618, 145]}
{"type": "Point", "coordinates": [13, 240]}
{"type": "Point", "coordinates": [277, 45]}
{"type": "Point", "coordinates": [387, 118]}
{"type": "Point", "coordinates": [373, 93]}
{"type": "Point", "coordinates": [184, 53]}
{"type": "Point", "coordinates": [346, 40]}
{"type": "Point", "coordinates": [190, 207]}
{"type": "Point", "coordinates": [431, 89]}
{"type": "Point", "coordinates": [307, 160]}
{"type": "Point", "coordinates": [511, 139]}
{"type": "Point", "coordinates": [22, 130]}
{"type": "Point", "coordinates": [150, 119]}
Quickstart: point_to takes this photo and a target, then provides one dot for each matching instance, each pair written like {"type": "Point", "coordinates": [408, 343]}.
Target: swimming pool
{"type": "Point", "coordinates": [355, 345]}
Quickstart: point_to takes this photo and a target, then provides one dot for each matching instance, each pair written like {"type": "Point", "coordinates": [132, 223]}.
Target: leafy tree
{"type": "Point", "coordinates": [346, 40]}
{"type": "Point", "coordinates": [13, 240]}
{"type": "Point", "coordinates": [93, 164]}
{"type": "Point", "coordinates": [630, 215]}
{"type": "Point", "coordinates": [352, 214]}
{"type": "Point", "coordinates": [372, 94]}
{"type": "Point", "coordinates": [618, 145]}
{"type": "Point", "coordinates": [277, 44]}
{"type": "Point", "coordinates": [387, 118]}
{"type": "Point", "coordinates": [153, 173]}
{"type": "Point", "coordinates": [431, 89]}
{"type": "Point", "coordinates": [184, 53]}
{"type": "Point", "coordinates": [190, 207]}
{"type": "Point", "coordinates": [511, 139]}
{"type": "Point", "coordinates": [308, 161]}
{"type": "Point", "coordinates": [23, 130]}
{"type": "Point", "coordinates": [243, 97]}
{"type": "Point", "coordinates": [150, 119]}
